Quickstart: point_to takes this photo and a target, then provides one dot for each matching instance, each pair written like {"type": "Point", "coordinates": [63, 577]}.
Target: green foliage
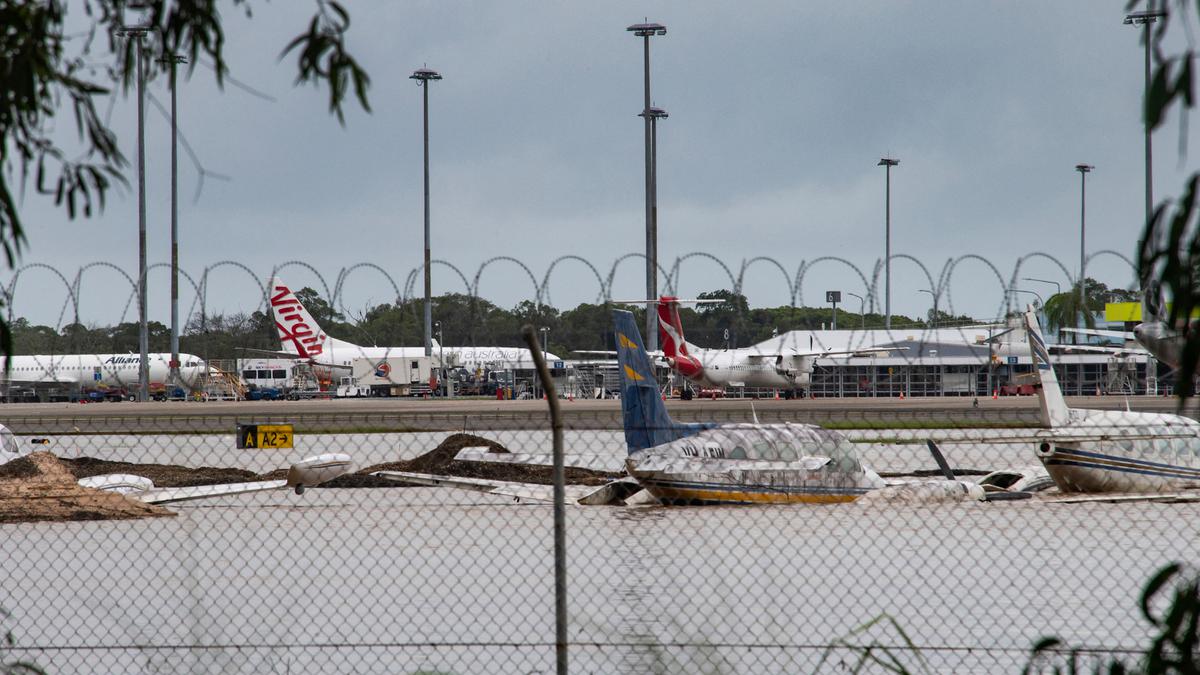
{"type": "Point", "coordinates": [1175, 648]}
{"type": "Point", "coordinates": [1062, 310]}
{"type": "Point", "coordinates": [1169, 249]}
{"type": "Point", "coordinates": [43, 72]}
{"type": "Point", "coordinates": [876, 656]}
{"type": "Point", "coordinates": [15, 667]}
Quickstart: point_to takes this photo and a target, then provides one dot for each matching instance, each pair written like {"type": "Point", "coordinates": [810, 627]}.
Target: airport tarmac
{"type": "Point", "coordinates": [437, 415]}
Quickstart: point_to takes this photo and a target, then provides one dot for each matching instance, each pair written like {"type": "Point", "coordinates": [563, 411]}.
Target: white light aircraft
{"type": "Point", "coordinates": [1109, 450]}
{"type": "Point", "coordinates": [306, 473]}
{"type": "Point", "coordinates": [302, 338]}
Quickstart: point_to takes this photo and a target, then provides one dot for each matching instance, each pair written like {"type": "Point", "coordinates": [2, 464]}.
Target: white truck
{"type": "Point", "coordinates": [393, 376]}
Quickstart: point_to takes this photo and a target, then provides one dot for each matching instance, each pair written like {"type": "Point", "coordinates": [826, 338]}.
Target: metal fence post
{"type": "Point", "coordinates": [560, 525]}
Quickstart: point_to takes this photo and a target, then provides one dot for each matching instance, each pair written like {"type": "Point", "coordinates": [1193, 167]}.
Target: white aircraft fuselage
{"type": "Point", "coordinates": [299, 334]}
{"type": "Point", "coordinates": [100, 370]}
{"type": "Point", "coordinates": [1109, 450]}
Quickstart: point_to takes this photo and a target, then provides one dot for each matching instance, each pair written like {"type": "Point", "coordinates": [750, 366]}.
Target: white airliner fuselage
{"type": "Point", "coordinates": [299, 334]}
{"type": "Point", "coordinates": [99, 370]}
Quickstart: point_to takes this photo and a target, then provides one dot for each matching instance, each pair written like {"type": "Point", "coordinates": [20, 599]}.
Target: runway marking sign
{"type": "Point", "coordinates": [264, 436]}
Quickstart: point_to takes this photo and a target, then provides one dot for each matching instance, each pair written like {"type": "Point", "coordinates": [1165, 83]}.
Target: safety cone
{"type": "Point", "coordinates": [995, 394]}
{"type": "Point", "coordinates": [1097, 390]}
{"type": "Point", "coordinates": [901, 396]}
{"type": "Point", "coordinates": [571, 395]}
{"type": "Point", "coordinates": [776, 394]}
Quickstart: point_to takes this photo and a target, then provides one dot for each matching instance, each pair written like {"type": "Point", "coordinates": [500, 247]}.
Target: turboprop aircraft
{"type": "Point", "coordinates": [306, 473]}
{"type": "Point", "coordinates": [1109, 450]}
{"type": "Point", "coordinates": [301, 337]}
{"type": "Point", "coordinates": [764, 365]}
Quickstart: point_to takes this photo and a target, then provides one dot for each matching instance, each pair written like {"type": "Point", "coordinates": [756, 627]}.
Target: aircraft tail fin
{"type": "Point", "coordinates": [1053, 406]}
{"type": "Point", "coordinates": [1153, 307]}
{"type": "Point", "coordinates": [298, 331]}
{"type": "Point", "coordinates": [670, 327]}
{"type": "Point", "coordinates": [647, 423]}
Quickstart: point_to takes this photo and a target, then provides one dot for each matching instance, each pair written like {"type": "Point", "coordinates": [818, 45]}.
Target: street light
{"type": "Point", "coordinates": [861, 303]}
{"type": "Point", "coordinates": [1035, 294]}
{"type": "Point", "coordinates": [655, 114]}
{"type": "Point", "coordinates": [171, 61]}
{"type": "Point", "coordinates": [423, 77]}
{"type": "Point", "coordinates": [1057, 286]}
{"type": "Point", "coordinates": [1144, 19]}
{"type": "Point", "coordinates": [138, 33]}
{"type": "Point", "coordinates": [888, 163]}
{"type": "Point", "coordinates": [545, 331]}
{"type": "Point", "coordinates": [646, 31]}
{"type": "Point", "coordinates": [442, 359]}
{"type": "Point", "coordinates": [1083, 170]}
{"type": "Point", "coordinates": [935, 307]}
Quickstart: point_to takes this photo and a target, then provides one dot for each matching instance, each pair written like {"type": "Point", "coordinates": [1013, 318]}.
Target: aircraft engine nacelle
{"type": "Point", "coordinates": [312, 471]}
{"type": "Point", "coordinates": [687, 366]}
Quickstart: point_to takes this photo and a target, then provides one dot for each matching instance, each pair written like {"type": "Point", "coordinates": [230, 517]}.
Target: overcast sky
{"type": "Point", "coordinates": [779, 113]}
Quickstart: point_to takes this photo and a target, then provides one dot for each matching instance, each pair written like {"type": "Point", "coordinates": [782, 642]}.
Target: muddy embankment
{"type": "Point", "coordinates": [42, 487]}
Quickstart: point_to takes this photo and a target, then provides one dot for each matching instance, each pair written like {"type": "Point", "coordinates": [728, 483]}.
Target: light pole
{"type": "Point", "coordinates": [545, 331]}
{"type": "Point", "coordinates": [1057, 286]}
{"type": "Point", "coordinates": [861, 304]}
{"type": "Point", "coordinates": [442, 360]}
{"type": "Point", "coordinates": [423, 77]}
{"type": "Point", "coordinates": [888, 163]}
{"type": "Point", "coordinates": [655, 114]}
{"type": "Point", "coordinates": [1144, 19]}
{"type": "Point", "coordinates": [646, 31]}
{"type": "Point", "coordinates": [172, 61]}
{"type": "Point", "coordinates": [1083, 170]}
{"type": "Point", "coordinates": [933, 317]}
{"type": "Point", "coordinates": [138, 33]}
{"type": "Point", "coordinates": [1041, 303]}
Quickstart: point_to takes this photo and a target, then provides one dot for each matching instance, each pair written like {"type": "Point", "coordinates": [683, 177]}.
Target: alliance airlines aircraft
{"type": "Point", "coordinates": [99, 370]}
{"type": "Point", "coordinates": [758, 366]}
{"type": "Point", "coordinates": [301, 336]}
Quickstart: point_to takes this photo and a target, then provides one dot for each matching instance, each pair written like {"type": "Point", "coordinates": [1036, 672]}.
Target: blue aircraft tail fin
{"type": "Point", "coordinates": [647, 423]}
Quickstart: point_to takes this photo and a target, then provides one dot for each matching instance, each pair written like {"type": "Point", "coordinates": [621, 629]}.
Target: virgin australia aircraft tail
{"type": "Point", "coordinates": [647, 423]}
{"type": "Point", "coordinates": [1055, 412]}
{"type": "Point", "coordinates": [299, 332]}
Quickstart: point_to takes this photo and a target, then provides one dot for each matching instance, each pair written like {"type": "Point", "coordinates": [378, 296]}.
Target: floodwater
{"type": "Point", "coordinates": [884, 450]}
{"type": "Point", "coordinates": [439, 580]}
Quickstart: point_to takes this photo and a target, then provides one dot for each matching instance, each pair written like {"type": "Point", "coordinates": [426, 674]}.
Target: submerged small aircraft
{"type": "Point", "coordinates": [306, 473]}
{"type": "Point", "coordinates": [1109, 450]}
{"type": "Point", "coordinates": [706, 463]}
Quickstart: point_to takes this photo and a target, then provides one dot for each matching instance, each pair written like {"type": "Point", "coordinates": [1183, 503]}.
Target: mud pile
{"type": "Point", "coordinates": [39, 487]}
{"type": "Point", "coordinates": [441, 461]}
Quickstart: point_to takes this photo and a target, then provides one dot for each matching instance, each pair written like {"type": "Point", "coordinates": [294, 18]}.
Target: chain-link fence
{"type": "Point", "coordinates": [368, 574]}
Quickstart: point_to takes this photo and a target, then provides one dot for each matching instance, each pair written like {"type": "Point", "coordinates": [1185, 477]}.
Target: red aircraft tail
{"type": "Point", "coordinates": [670, 327]}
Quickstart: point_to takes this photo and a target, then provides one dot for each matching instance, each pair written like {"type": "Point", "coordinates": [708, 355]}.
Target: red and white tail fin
{"type": "Point", "coordinates": [670, 328]}
{"type": "Point", "coordinates": [298, 331]}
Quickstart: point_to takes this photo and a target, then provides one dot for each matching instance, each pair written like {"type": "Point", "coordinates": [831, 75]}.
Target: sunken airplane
{"type": "Point", "coordinates": [706, 463]}
{"type": "Point", "coordinates": [1110, 450]}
